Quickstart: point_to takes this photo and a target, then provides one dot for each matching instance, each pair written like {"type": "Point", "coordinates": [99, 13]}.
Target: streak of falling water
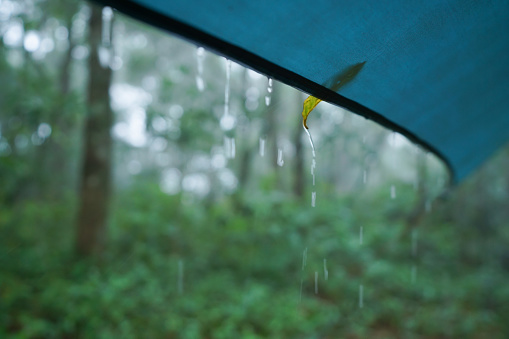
{"type": "Point", "coordinates": [414, 242]}
{"type": "Point", "coordinates": [200, 56]}
{"type": "Point", "coordinates": [360, 236]}
{"type": "Point", "coordinates": [262, 147]}
{"type": "Point", "coordinates": [227, 88]}
{"type": "Point", "coordinates": [107, 16]}
{"type": "Point", "coordinates": [180, 281]}
{"type": "Point", "coordinates": [301, 285]}
{"type": "Point", "coordinates": [280, 161]}
{"type": "Point", "coordinates": [361, 296]}
{"type": "Point", "coordinates": [325, 270]}
{"type": "Point", "coordinates": [229, 147]}
{"type": "Point", "coordinates": [313, 165]}
{"type": "Point", "coordinates": [304, 258]}
{"type": "Point", "coordinates": [269, 92]}
{"type": "Point", "coordinates": [393, 192]}
{"type": "Point", "coordinates": [427, 206]}
{"type": "Point", "coordinates": [414, 274]}
{"type": "Point", "coordinates": [316, 282]}
{"type": "Point", "coordinates": [364, 177]}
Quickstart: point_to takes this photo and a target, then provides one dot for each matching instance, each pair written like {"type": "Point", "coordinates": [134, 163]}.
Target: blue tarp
{"type": "Point", "coordinates": [436, 71]}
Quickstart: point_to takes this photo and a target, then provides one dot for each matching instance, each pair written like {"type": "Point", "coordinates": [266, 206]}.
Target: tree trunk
{"type": "Point", "coordinates": [96, 165]}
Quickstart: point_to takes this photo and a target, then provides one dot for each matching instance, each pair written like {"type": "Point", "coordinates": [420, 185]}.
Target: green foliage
{"type": "Point", "coordinates": [242, 273]}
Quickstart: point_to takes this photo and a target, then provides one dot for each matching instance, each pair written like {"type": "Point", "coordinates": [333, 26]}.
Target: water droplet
{"type": "Point", "coordinates": [361, 296]}
{"type": "Point", "coordinates": [104, 54]}
{"type": "Point", "coordinates": [280, 161]}
{"type": "Point", "coordinates": [107, 16]}
{"type": "Point", "coordinates": [313, 164]}
{"type": "Point", "coordinates": [428, 206]}
{"type": "Point", "coordinates": [325, 271]}
{"type": "Point", "coordinates": [262, 147]}
{"type": "Point", "coordinates": [301, 285]}
{"type": "Point", "coordinates": [269, 92]}
{"type": "Point", "coordinates": [393, 192]}
{"type": "Point", "coordinates": [304, 258]}
{"type": "Point", "coordinates": [227, 122]}
{"type": "Point", "coordinates": [316, 282]}
{"type": "Point", "coordinates": [229, 147]}
{"type": "Point", "coordinates": [360, 236]}
{"type": "Point", "coordinates": [180, 281]}
{"type": "Point", "coordinates": [200, 56]}
{"type": "Point", "coordinates": [227, 88]}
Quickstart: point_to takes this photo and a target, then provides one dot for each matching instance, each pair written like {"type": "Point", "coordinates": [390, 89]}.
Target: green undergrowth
{"type": "Point", "coordinates": [240, 274]}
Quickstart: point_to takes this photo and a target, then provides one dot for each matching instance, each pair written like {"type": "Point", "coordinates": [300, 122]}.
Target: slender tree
{"type": "Point", "coordinates": [96, 164]}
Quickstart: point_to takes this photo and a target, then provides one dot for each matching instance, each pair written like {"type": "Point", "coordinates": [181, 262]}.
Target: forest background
{"type": "Point", "coordinates": [150, 188]}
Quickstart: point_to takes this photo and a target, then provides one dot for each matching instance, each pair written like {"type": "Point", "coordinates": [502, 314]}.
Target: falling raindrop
{"type": "Point", "coordinates": [180, 281]}
{"type": "Point", "coordinates": [262, 147]}
{"type": "Point", "coordinates": [304, 258]}
{"type": "Point", "coordinates": [365, 177]}
{"type": "Point", "coordinates": [393, 192]}
{"type": "Point", "coordinates": [229, 147]}
{"type": "Point", "coordinates": [200, 56]}
{"type": "Point", "coordinates": [414, 274]}
{"type": "Point", "coordinates": [313, 199]}
{"type": "Point", "coordinates": [427, 206]}
{"type": "Point", "coordinates": [360, 236]}
{"type": "Point", "coordinates": [227, 87]}
{"type": "Point", "coordinates": [269, 92]}
{"type": "Point", "coordinates": [316, 282]}
{"type": "Point", "coordinates": [280, 161]}
{"type": "Point", "coordinates": [361, 296]}
{"type": "Point", "coordinates": [301, 285]}
{"type": "Point", "coordinates": [325, 271]}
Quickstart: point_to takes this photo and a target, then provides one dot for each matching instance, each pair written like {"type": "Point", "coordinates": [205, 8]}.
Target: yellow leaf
{"type": "Point", "coordinates": [335, 84]}
{"type": "Point", "coordinates": [309, 104]}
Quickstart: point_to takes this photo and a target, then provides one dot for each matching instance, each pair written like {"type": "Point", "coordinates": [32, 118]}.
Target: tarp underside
{"type": "Point", "coordinates": [438, 71]}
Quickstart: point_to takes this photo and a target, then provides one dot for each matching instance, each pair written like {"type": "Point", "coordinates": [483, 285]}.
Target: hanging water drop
{"type": "Point", "coordinates": [361, 296]}
{"type": "Point", "coordinates": [200, 56]}
{"type": "Point", "coordinates": [269, 92]}
{"type": "Point", "coordinates": [262, 147]}
{"type": "Point", "coordinates": [107, 16]}
{"type": "Point", "coordinates": [180, 281]}
{"type": "Point", "coordinates": [280, 161]}
{"type": "Point", "coordinates": [313, 164]}
{"type": "Point", "coordinates": [316, 282]}
{"type": "Point", "coordinates": [393, 192]}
